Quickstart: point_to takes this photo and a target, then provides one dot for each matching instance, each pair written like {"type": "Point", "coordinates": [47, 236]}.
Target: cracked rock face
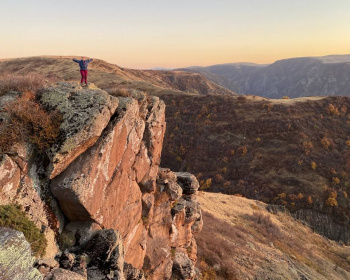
{"type": "Point", "coordinates": [102, 184]}
{"type": "Point", "coordinates": [16, 262]}
{"type": "Point", "coordinates": [124, 217]}
{"type": "Point", "coordinates": [85, 112]}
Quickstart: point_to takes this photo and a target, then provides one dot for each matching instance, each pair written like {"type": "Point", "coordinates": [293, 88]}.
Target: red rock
{"type": "Point", "coordinates": [10, 176]}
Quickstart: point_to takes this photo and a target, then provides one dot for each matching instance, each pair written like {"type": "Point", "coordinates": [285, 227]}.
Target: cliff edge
{"type": "Point", "coordinates": [106, 208]}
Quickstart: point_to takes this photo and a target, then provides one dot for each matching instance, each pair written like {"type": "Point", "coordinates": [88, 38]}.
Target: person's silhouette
{"type": "Point", "coordinates": [83, 63]}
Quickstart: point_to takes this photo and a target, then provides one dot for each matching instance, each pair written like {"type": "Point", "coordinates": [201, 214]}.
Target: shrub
{"type": "Point", "coordinates": [66, 240]}
{"type": "Point", "coordinates": [122, 92]}
{"type": "Point", "coordinates": [243, 150]}
{"type": "Point", "coordinates": [333, 110]}
{"type": "Point", "coordinates": [266, 225]}
{"type": "Point", "coordinates": [27, 121]}
{"type": "Point", "coordinates": [335, 181]}
{"type": "Point", "coordinates": [332, 199]}
{"type": "Point", "coordinates": [325, 142]}
{"type": "Point", "coordinates": [309, 200]}
{"type": "Point", "coordinates": [11, 216]}
{"type": "Point", "coordinates": [205, 184]}
{"type": "Point", "coordinates": [313, 165]}
{"type": "Point", "coordinates": [13, 82]}
{"type": "Point", "coordinates": [307, 146]}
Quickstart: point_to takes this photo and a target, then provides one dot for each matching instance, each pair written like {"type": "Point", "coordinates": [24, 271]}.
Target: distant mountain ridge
{"type": "Point", "coordinates": [293, 77]}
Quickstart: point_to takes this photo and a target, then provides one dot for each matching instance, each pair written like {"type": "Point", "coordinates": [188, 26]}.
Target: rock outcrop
{"type": "Point", "coordinates": [16, 261]}
{"type": "Point", "coordinates": [124, 217]}
{"type": "Point", "coordinates": [85, 114]}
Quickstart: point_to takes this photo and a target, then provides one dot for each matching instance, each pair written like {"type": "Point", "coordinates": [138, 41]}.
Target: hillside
{"type": "Point", "coordinates": [242, 240]}
{"type": "Point", "coordinates": [294, 77]}
{"type": "Point", "coordinates": [112, 77]}
{"type": "Point", "coordinates": [292, 152]}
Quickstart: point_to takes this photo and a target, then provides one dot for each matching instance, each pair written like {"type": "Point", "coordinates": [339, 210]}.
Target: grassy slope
{"type": "Point", "coordinates": [110, 76]}
{"type": "Point", "coordinates": [241, 240]}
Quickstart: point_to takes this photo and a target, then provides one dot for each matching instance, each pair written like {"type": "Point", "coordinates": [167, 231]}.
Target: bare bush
{"type": "Point", "coordinates": [26, 121]}
{"type": "Point", "coordinates": [14, 82]}
{"type": "Point", "coordinates": [122, 92]}
{"type": "Point", "coordinates": [266, 226]}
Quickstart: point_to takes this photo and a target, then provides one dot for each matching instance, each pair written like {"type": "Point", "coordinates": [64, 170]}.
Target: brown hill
{"type": "Point", "coordinates": [290, 152]}
{"type": "Point", "coordinates": [241, 240]}
{"type": "Point", "coordinates": [112, 77]}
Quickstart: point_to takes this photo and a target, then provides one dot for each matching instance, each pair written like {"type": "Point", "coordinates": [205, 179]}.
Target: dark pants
{"type": "Point", "coordinates": [83, 76]}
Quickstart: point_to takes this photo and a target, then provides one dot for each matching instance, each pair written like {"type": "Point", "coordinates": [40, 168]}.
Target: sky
{"type": "Point", "coordinates": [160, 33]}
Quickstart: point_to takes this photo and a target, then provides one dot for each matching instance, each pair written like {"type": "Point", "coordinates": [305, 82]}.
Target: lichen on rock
{"type": "Point", "coordinates": [16, 261]}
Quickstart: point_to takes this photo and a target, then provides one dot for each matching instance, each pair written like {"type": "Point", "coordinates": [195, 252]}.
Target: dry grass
{"type": "Point", "coordinates": [26, 121]}
{"type": "Point", "coordinates": [241, 240]}
{"type": "Point", "coordinates": [14, 82]}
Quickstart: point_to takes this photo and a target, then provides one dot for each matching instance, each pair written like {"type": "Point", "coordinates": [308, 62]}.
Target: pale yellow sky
{"type": "Point", "coordinates": [142, 35]}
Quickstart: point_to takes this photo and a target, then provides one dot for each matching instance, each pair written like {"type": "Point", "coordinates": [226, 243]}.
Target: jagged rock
{"type": "Point", "coordinates": [198, 224]}
{"type": "Point", "coordinates": [85, 112]}
{"type": "Point", "coordinates": [147, 208]}
{"type": "Point", "coordinates": [40, 207]}
{"type": "Point", "coordinates": [158, 247]}
{"type": "Point", "coordinates": [67, 260]}
{"type": "Point", "coordinates": [132, 273]}
{"type": "Point", "coordinates": [163, 270]}
{"type": "Point", "coordinates": [188, 182]}
{"type": "Point", "coordinates": [173, 190]}
{"type": "Point", "coordinates": [179, 206]}
{"type": "Point", "coordinates": [82, 231]}
{"type": "Point", "coordinates": [16, 261]}
{"type": "Point", "coordinates": [101, 257]}
{"type": "Point", "coordinates": [165, 175]}
{"type": "Point", "coordinates": [183, 267]}
{"type": "Point", "coordinates": [153, 138]}
{"type": "Point", "coordinates": [46, 265]}
{"type": "Point", "coordinates": [106, 249]}
{"type": "Point", "coordinates": [62, 274]}
{"type": "Point", "coordinates": [20, 183]}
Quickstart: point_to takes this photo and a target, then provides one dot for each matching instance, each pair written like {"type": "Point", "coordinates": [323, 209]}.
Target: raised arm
{"type": "Point", "coordinates": [76, 60]}
{"type": "Point", "coordinates": [91, 59]}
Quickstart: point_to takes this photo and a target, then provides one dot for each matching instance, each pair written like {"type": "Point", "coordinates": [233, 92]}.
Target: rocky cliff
{"type": "Point", "coordinates": [99, 193]}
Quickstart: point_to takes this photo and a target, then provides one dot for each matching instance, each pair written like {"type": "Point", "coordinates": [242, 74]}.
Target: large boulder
{"type": "Point", "coordinates": [16, 261]}
{"type": "Point", "coordinates": [188, 182]}
{"type": "Point", "coordinates": [183, 267]}
{"type": "Point", "coordinates": [85, 112]}
{"type": "Point", "coordinates": [103, 184]}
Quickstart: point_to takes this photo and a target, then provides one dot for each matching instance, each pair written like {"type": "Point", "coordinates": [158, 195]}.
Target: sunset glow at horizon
{"type": "Point", "coordinates": [158, 33]}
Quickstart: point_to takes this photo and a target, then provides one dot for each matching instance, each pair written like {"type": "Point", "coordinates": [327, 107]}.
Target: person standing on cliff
{"type": "Point", "coordinates": [83, 63]}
